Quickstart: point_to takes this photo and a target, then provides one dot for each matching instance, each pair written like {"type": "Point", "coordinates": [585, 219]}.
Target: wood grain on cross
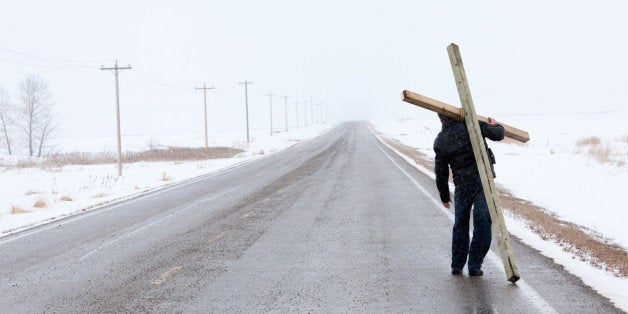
{"type": "Point", "coordinates": [467, 113]}
{"type": "Point", "coordinates": [458, 113]}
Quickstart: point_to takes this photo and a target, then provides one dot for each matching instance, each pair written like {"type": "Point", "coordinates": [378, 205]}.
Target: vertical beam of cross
{"type": "Point", "coordinates": [484, 166]}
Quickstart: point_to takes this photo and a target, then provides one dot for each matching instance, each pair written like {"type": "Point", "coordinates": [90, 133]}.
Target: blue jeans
{"type": "Point", "coordinates": [467, 195]}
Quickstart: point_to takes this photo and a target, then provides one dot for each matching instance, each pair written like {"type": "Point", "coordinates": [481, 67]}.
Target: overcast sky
{"type": "Point", "coordinates": [356, 57]}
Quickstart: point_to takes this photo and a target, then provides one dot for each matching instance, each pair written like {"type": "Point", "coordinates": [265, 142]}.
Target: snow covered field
{"type": "Point", "coordinates": [32, 196]}
{"type": "Point", "coordinates": [560, 169]}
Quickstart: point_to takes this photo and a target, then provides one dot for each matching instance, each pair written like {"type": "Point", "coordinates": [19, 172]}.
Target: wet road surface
{"type": "Point", "coordinates": [337, 224]}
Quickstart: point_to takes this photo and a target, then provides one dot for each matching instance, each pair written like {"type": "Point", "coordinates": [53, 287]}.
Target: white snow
{"type": "Point", "coordinates": [552, 171]}
{"type": "Point", "coordinates": [602, 281]}
{"type": "Point", "coordinates": [96, 185]}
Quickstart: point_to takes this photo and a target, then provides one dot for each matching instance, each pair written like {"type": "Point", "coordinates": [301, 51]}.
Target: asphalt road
{"type": "Point", "coordinates": [338, 224]}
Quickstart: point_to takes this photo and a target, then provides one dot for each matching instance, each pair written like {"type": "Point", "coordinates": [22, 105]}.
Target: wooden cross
{"type": "Point", "coordinates": [467, 113]}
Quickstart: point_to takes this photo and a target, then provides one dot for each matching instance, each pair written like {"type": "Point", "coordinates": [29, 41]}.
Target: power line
{"type": "Point", "coordinates": [51, 60]}
{"type": "Point", "coordinates": [259, 91]}
{"type": "Point", "coordinates": [158, 82]}
{"type": "Point", "coordinates": [51, 63]}
{"type": "Point", "coordinates": [45, 66]}
{"type": "Point", "coordinates": [67, 64]}
{"type": "Point", "coordinates": [75, 64]}
{"type": "Point", "coordinates": [228, 90]}
{"type": "Point", "coordinates": [152, 88]}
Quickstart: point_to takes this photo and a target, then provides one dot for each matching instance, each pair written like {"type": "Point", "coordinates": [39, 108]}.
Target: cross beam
{"type": "Point", "coordinates": [458, 113]}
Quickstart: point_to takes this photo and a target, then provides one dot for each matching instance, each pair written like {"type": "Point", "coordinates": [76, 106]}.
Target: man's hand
{"type": "Point", "coordinates": [492, 122]}
{"type": "Point", "coordinates": [447, 205]}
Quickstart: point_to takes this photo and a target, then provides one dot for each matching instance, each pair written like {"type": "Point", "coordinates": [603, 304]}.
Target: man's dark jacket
{"type": "Point", "coordinates": [453, 148]}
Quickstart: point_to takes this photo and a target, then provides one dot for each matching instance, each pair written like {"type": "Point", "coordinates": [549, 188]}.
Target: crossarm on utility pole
{"type": "Point", "coordinates": [458, 113]}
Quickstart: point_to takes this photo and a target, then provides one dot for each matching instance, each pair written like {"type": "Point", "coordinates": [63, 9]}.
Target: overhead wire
{"type": "Point", "coordinates": [46, 66]}
{"type": "Point", "coordinates": [68, 64]}
{"type": "Point", "coordinates": [56, 61]}
{"type": "Point", "coordinates": [255, 89]}
{"type": "Point", "coordinates": [154, 89]}
{"type": "Point", "coordinates": [146, 76]}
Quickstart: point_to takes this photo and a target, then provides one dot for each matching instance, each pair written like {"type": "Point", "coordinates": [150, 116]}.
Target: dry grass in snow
{"type": "Point", "coordinates": [40, 203]}
{"type": "Point", "coordinates": [152, 155]}
{"type": "Point", "coordinates": [579, 241]}
{"type": "Point", "coordinates": [65, 198]}
{"type": "Point", "coordinates": [16, 209]}
{"type": "Point", "coordinates": [589, 141]}
{"type": "Point", "coordinates": [604, 152]}
{"type": "Point", "coordinates": [99, 195]}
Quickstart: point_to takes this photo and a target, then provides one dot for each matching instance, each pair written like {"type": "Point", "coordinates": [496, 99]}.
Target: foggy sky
{"type": "Point", "coordinates": [356, 57]}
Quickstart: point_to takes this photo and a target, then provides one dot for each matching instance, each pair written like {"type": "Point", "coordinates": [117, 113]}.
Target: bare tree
{"type": "Point", "coordinates": [46, 130]}
{"type": "Point", "coordinates": [35, 116]}
{"type": "Point", "coordinates": [6, 109]}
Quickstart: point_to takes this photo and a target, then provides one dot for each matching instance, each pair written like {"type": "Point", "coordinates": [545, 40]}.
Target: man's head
{"type": "Point", "coordinates": [443, 118]}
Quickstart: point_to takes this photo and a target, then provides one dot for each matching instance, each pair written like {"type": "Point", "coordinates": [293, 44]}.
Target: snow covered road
{"type": "Point", "coordinates": [338, 224]}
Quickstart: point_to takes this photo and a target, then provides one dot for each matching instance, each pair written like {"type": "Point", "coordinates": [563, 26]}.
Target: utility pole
{"type": "Point", "coordinates": [246, 99]}
{"type": "Point", "coordinates": [116, 69]}
{"type": "Point", "coordinates": [270, 96]}
{"type": "Point", "coordinates": [312, 109]}
{"type": "Point", "coordinates": [204, 88]}
{"type": "Point", "coordinates": [285, 98]}
{"type": "Point", "coordinates": [296, 110]}
{"type": "Point", "coordinates": [305, 113]}
{"type": "Point", "coordinates": [319, 114]}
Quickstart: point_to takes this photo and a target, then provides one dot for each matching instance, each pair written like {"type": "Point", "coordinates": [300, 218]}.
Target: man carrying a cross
{"type": "Point", "coordinates": [453, 149]}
